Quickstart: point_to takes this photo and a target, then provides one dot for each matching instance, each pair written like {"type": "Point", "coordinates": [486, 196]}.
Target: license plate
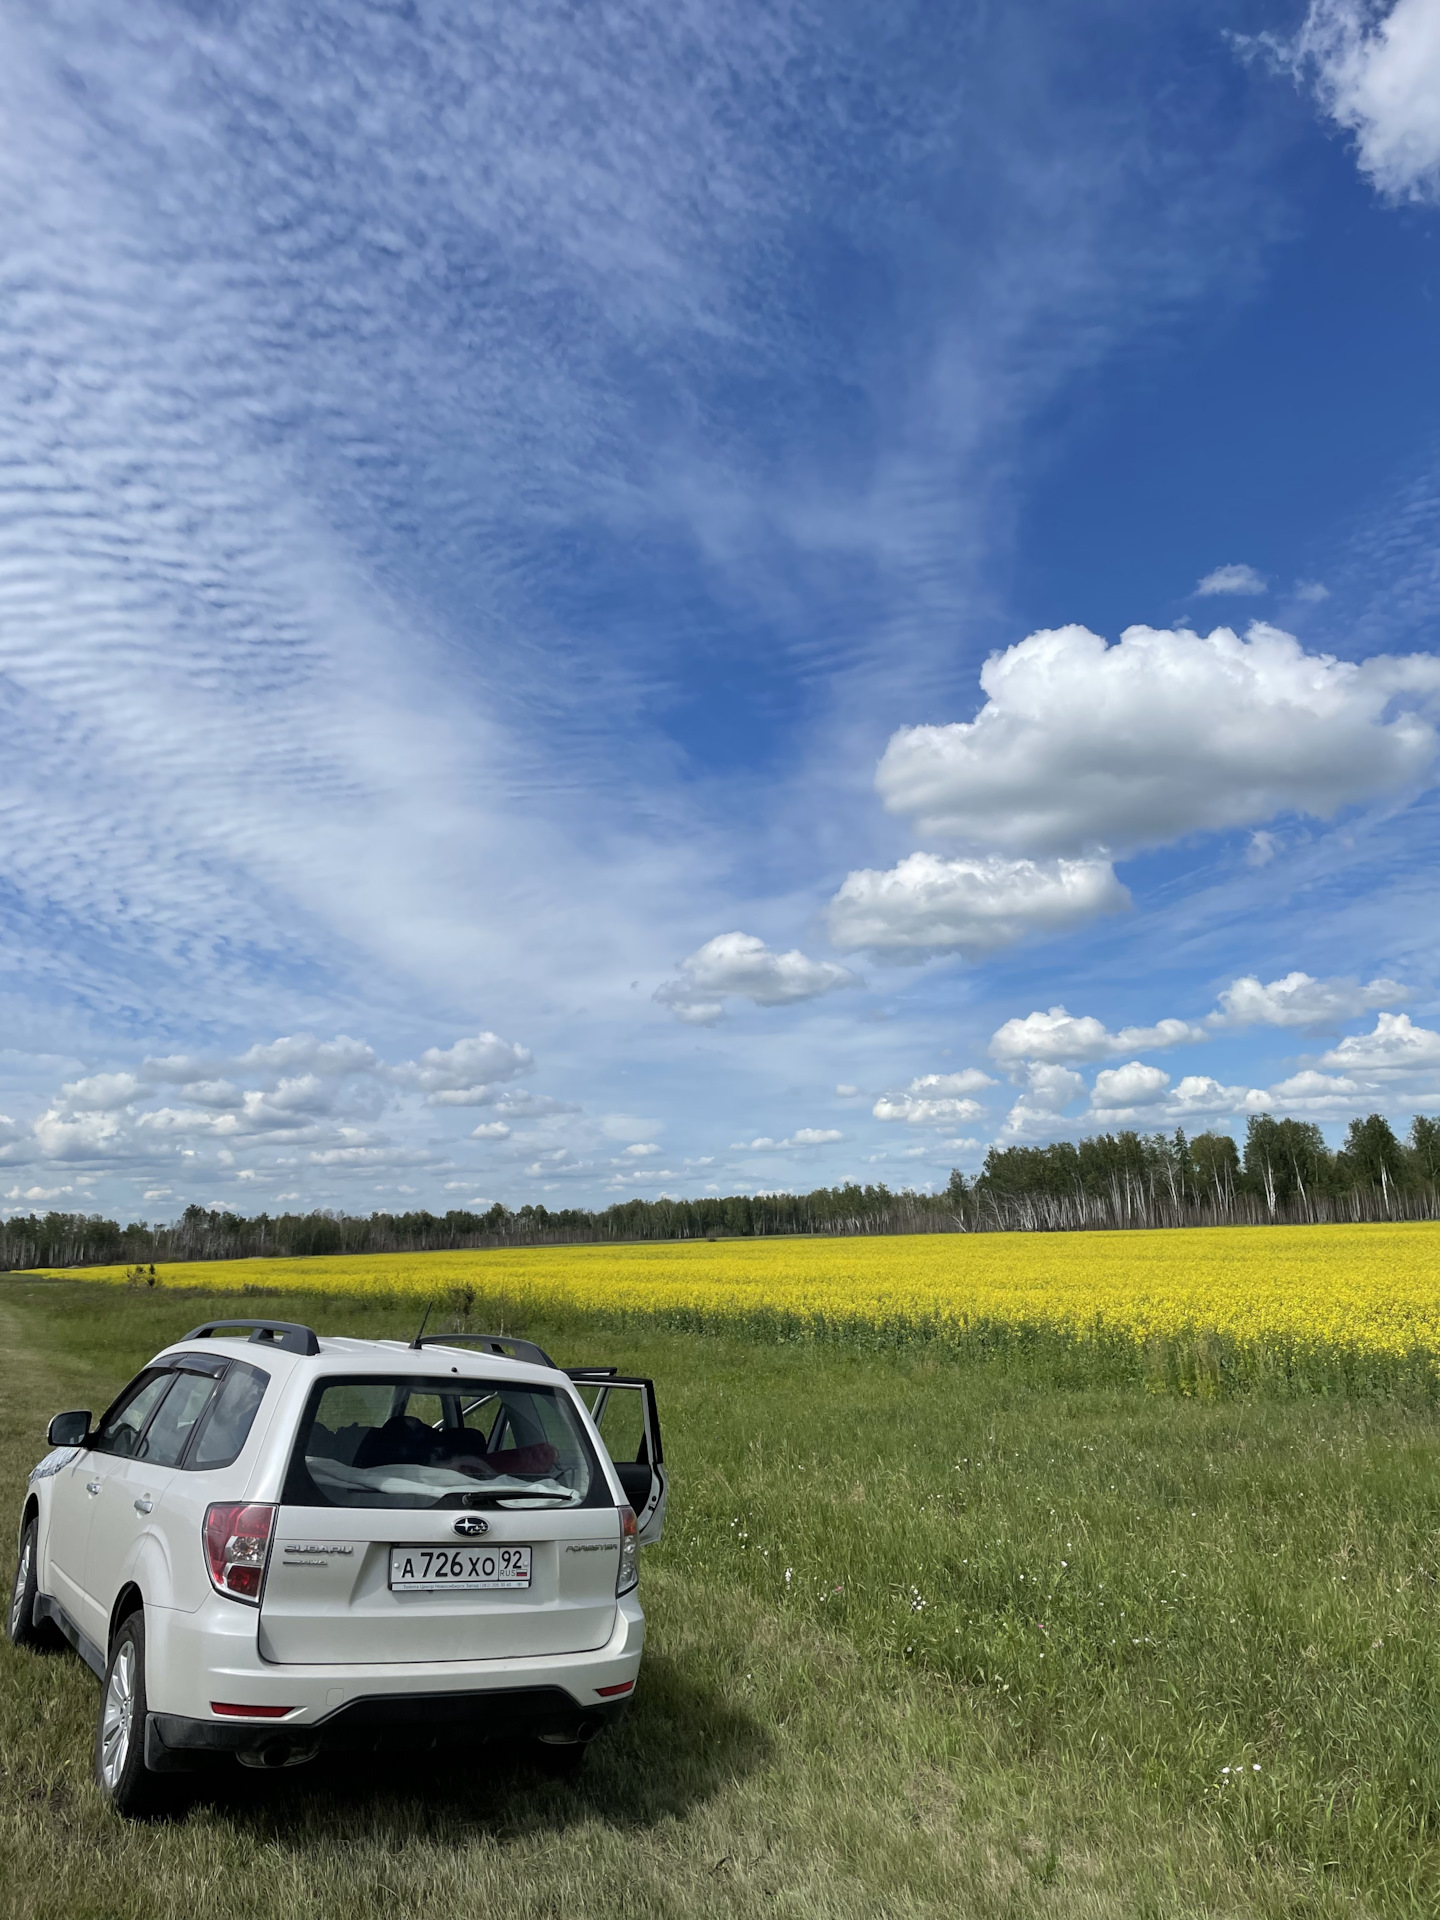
{"type": "Point", "coordinates": [438, 1569]}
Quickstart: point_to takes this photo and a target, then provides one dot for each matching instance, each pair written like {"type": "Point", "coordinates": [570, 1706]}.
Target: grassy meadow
{"type": "Point", "coordinates": [936, 1629]}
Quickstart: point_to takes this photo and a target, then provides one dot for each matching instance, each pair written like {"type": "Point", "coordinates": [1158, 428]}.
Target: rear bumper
{"type": "Point", "coordinates": [212, 1654]}
{"type": "Point", "coordinates": [381, 1723]}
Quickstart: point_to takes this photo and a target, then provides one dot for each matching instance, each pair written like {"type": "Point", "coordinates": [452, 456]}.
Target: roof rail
{"type": "Point", "coordinates": [285, 1334]}
{"type": "Point", "coordinates": [501, 1343]}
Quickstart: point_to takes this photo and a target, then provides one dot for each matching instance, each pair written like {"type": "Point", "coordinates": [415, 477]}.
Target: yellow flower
{"type": "Point", "coordinates": [1366, 1290]}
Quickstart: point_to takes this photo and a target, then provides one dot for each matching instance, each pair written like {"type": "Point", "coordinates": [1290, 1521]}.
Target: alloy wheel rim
{"type": "Point", "coordinates": [22, 1584]}
{"type": "Point", "coordinates": [118, 1715]}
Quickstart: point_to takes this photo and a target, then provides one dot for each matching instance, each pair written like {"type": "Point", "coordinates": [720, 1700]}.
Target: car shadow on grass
{"type": "Point", "coordinates": [680, 1744]}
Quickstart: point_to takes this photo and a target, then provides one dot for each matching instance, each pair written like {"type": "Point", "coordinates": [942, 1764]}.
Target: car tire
{"type": "Point", "coordinates": [120, 1770]}
{"type": "Point", "coordinates": [20, 1623]}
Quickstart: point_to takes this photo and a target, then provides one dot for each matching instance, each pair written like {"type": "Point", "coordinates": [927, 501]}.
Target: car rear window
{"type": "Point", "coordinates": [377, 1441]}
{"type": "Point", "coordinates": [232, 1414]}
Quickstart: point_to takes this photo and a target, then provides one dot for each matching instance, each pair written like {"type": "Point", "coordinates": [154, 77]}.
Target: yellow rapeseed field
{"type": "Point", "coordinates": [1367, 1289]}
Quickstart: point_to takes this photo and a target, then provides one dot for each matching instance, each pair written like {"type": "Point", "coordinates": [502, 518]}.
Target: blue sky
{"type": "Point", "coordinates": [563, 573]}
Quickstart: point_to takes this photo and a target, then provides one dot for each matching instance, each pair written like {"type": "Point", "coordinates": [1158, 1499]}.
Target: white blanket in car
{"type": "Point", "coordinates": [401, 1482]}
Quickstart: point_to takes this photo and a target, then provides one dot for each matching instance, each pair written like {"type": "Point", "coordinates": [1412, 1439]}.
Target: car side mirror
{"type": "Point", "coordinates": [69, 1429]}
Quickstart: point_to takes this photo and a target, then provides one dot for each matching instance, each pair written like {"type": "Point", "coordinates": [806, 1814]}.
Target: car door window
{"type": "Point", "coordinates": [231, 1416]}
{"type": "Point", "coordinates": [123, 1427]}
{"type": "Point", "coordinates": [621, 1420]}
{"type": "Point", "coordinates": [175, 1419]}
{"type": "Point", "coordinates": [624, 1410]}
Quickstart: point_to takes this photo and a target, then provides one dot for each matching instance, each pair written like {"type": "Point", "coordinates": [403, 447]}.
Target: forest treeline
{"type": "Point", "coordinates": [1284, 1173]}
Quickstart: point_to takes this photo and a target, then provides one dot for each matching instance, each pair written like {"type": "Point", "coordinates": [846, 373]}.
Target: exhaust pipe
{"type": "Point", "coordinates": [279, 1753]}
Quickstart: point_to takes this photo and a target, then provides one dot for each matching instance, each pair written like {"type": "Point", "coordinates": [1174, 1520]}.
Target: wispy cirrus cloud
{"type": "Point", "coordinates": [1239, 578]}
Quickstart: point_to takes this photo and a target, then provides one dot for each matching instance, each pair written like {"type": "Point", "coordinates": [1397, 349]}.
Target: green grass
{"type": "Point", "coordinates": [1029, 1622]}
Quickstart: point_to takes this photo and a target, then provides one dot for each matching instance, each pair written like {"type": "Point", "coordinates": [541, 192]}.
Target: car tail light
{"type": "Point", "coordinates": [608, 1693]}
{"type": "Point", "coordinates": [234, 1711]}
{"type": "Point", "coordinates": [237, 1545]}
{"type": "Point", "coordinates": [628, 1575]}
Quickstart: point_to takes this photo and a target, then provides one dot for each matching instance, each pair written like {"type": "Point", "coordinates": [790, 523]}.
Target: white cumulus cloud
{"type": "Point", "coordinates": [1232, 579]}
{"type": "Point", "coordinates": [101, 1092]}
{"type": "Point", "coordinates": [1395, 1047]}
{"type": "Point", "coordinates": [1083, 747]}
{"type": "Point", "coordinates": [1200, 1096]}
{"type": "Point", "coordinates": [1379, 78]}
{"type": "Point", "coordinates": [935, 1099]}
{"type": "Point", "coordinates": [181, 1114]}
{"type": "Point", "coordinates": [1298, 1000]}
{"type": "Point", "coordinates": [1318, 1095]}
{"type": "Point", "coordinates": [741, 966]}
{"type": "Point", "coordinates": [969, 905]}
{"type": "Point", "coordinates": [1049, 1089]}
{"type": "Point", "coordinates": [968, 1080]}
{"type": "Point", "coordinates": [1058, 1035]}
{"type": "Point", "coordinates": [86, 1136]}
{"type": "Point", "coordinates": [802, 1137]}
{"type": "Point", "coordinates": [463, 1075]}
{"type": "Point", "coordinates": [1133, 1085]}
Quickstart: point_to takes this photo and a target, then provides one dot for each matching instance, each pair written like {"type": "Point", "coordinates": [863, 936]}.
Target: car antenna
{"type": "Point", "coordinates": [423, 1318]}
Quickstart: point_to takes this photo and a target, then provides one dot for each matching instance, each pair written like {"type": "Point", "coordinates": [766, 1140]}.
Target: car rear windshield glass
{"type": "Point", "coordinates": [232, 1414]}
{"type": "Point", "coordinates": [419, 1442]}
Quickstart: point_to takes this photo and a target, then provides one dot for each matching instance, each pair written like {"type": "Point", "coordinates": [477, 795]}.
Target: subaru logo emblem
{"type": "Point", "coordinates": [471, 1523]}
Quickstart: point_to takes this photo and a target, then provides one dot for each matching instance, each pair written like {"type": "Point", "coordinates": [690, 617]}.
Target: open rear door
{"type": "Point", "coordinates": [625, 1412]}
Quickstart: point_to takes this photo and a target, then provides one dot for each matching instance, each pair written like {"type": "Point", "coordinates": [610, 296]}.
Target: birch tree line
{"type": "Point", "coordinates": [1284, 1173]}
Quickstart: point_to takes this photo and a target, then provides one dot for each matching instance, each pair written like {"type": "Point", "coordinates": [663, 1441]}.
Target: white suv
{"type": "Point", "coordinates": [273, 1544]}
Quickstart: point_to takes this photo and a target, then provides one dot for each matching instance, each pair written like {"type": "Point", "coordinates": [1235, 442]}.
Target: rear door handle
{"type": "Point", "coordinates": [144, 1504]}
{"type": "Point", "coordinates": [92, 1486]}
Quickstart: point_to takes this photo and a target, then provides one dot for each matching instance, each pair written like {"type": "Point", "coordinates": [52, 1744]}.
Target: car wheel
{"type": "Point", "coordinates": [120, 1770]}
{"type": "Point", "coordinates": [21, 1624]}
